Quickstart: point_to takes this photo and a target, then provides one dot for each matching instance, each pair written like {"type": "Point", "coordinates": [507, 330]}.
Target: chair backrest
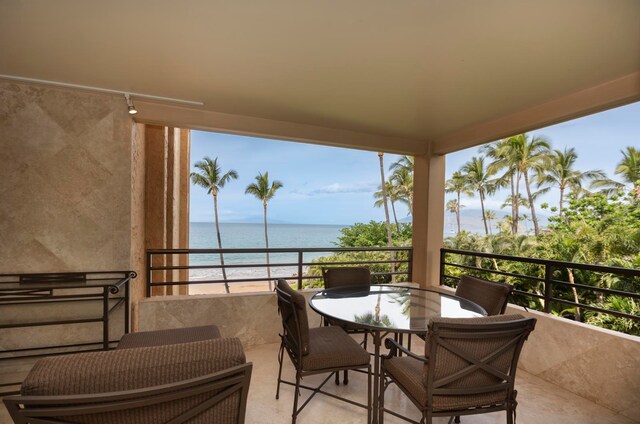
{"type": "Point", "coordinates": [346, 276]}
{"type": "Point", "coordinates": [491, 295]}
{"type": "Point", "coordinates": [473, 361]}
{"type": "Point", "coordinates": [160, 384]}
{"type": "Point", "coordinates": [292, 307]}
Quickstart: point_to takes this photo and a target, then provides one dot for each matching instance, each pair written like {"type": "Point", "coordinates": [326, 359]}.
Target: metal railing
{"type": "Point", "coordinates": [176, 260]}
{"type": "Point", "coordinates": [547, 277]}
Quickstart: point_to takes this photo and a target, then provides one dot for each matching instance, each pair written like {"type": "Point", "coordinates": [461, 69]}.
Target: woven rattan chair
{"type": "Point", "coordinates": [348, 276]}
{"type": "Point", "coordinates": [315, 351]}
{"type": "Point", "coordinates": [491, 295]}
{"type": "Point", "coordinates": [469, 367]}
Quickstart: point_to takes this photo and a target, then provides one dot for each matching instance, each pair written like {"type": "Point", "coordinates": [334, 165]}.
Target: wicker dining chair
{"type": "Point", "coordinates": [469, 367]}
{"type": "Point", "coordinates": [315, 351]}
{"type": "Point", "coordinates": [347, 276]}
{"type": "Point", "coordinates": [491, 295]}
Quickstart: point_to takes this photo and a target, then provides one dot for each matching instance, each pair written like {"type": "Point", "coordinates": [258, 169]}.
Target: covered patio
{"type": "Point", "coordinates": [87, 186]}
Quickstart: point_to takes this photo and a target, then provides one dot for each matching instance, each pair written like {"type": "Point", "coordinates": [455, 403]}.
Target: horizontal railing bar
{"type": "Point", "coordinates": [525, 293]}
{"type": "Point", "coordinates": [494, 271]}
{"type": "Point", "coordinates": [43, 323]}
{"type": "Point", "coordinates": [597, 309]}
{"type": "Point", "coordinates": [278, 250]}
{"type": "Point", "coordinates": [598, 289]}
{"type": "Point", "coordinates": [554, 263]}
{"type": "Point", "coordinates": [271, 265]}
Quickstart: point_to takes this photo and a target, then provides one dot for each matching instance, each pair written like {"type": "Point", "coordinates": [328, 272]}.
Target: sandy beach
{"type": "Point", "coordinates": [289, 273]}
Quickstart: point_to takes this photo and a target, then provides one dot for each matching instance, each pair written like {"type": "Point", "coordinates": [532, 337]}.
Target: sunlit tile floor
{"type": "Point", "coordinates": [539, 402]}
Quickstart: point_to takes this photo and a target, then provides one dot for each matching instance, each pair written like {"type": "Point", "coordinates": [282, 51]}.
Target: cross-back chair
{"type": "Point", "coordinates": [469, 367]}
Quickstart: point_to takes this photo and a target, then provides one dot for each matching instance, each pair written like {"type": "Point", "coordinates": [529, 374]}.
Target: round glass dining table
{"type": "Point", "coordinates": [382, 309]}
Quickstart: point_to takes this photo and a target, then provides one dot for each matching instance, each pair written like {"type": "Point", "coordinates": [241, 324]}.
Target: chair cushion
{"type": "Point", "coordinates": [407, 373]}
{"type": "Point", "coordinates": [300, 303]}
{"type": "Point", "coordinates": [168, 337]}
{"type": "Point", "coordinates": [331, 347]}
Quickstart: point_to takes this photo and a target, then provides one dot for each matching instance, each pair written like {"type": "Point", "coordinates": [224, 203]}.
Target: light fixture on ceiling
{"type": "Point", "coordinates": [130, 106]}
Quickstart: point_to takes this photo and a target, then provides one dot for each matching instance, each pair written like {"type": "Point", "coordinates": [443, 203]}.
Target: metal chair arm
{"type": "Point", "coordinates": [394, 347]}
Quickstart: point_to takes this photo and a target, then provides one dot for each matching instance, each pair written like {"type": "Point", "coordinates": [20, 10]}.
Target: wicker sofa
{"type": "Point", "coordinates": [187, 375]}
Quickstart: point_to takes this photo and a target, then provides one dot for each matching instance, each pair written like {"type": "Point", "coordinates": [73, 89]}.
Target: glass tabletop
{"type": "Point", "coordinates": [390, 307]}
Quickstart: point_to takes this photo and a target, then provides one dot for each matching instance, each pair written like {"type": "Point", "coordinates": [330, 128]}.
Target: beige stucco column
{"type": "Point", "coordinates": [428, 217]}
{"type": "Point", "coordinates": [167, 201]}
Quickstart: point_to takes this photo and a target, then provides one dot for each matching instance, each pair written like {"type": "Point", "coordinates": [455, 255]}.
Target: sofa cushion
{"type": "Point", "coordinates": [168, 337]}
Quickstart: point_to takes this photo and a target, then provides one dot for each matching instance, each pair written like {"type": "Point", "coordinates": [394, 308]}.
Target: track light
{"type": "Point", "coordinates": [130, 106]}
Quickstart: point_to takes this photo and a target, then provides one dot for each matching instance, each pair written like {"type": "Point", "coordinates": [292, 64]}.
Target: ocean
{"type": "Point", "coordinates": [202, 235]}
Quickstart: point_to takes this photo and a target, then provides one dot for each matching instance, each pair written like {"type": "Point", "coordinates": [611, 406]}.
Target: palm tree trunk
{"type": "Point", "coordinates": [395, 218]}
{"type": "Point", "coordinates": [515, 203]}
{"type": "Point", "coordinates": [386, 215]}
{"type": "Point", "coordinates": [536, 229]}
{"type": "Point", "coordinates": [458, 213]}
{"type": "Point", "coordinates": [575, 292]}
{"type": "Point", "coordinates": [514, 211]}
{"type": "Point", "coordinates": [224, 271]}
{"type": "Point", "coordinates": [266, 240]}
{"type": "Point", "coordinates": [561, 201]}
{"type": "Point", "coordinates": [484, 217]}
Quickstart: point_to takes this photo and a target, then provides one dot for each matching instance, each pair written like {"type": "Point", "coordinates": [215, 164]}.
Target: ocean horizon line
{"type": "Point", "coordinates": [269, 223]}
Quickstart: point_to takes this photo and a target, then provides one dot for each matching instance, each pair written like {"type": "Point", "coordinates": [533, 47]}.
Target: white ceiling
{"type": "Point", "coordinates": [419, 69]}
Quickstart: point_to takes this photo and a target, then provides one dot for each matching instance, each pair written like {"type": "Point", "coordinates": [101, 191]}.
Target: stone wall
{"type": "Point", "coordinates": [65, 180]}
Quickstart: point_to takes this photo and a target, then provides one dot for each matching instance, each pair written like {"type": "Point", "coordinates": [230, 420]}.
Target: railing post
{"type": "Point", "coordinates": [548, 271]}
{"type": "Point", "coordinates": [300, 260]}
{"type": "Point", "coordinates": [410, 264]}
{"type": "Point", "coordinates": [442, 253]}
{"type": "Point", "coordinates": [148, 282]}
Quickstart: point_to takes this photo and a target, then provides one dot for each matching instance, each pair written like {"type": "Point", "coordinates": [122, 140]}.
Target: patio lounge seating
{"type": "Point", "coordinates": [169, 376]}
{"type": "Point", "coordinates": [469, 366]}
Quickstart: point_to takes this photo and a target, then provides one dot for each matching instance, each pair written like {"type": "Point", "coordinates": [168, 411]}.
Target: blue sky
{"type": "Point", "coordinates": [329, 185]}
{"type": "Point", "coordinates": [322, 185]}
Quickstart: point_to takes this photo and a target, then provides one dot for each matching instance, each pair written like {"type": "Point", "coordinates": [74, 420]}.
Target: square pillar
{"type": "Point", "coordinates": [428, 218]}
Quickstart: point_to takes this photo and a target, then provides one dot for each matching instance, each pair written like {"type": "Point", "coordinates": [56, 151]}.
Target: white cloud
{"type": "Point", "coordinates": [341, 188]}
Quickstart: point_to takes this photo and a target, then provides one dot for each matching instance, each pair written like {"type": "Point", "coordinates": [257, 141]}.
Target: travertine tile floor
{"type": "Point", "coordinates": [539, 402]}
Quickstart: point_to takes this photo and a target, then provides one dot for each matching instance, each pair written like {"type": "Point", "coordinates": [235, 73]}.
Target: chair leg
{"type": "Point", "coordinates": [280, 358]}
{"type": "Point", "coordinates": [457, 419]}
{"type": "Point", "coordinates": [337, 378]}
{"type": "Point", "coordinates": [296, 393]}
{"type": "Point", "coordinates": [346, 377]}
{"type": "Point", "coordinates": [369, 395]}
{"type": "Point", "coordinates": [365, 340]}
{"type": "Point", "coordinates": [510, 419]}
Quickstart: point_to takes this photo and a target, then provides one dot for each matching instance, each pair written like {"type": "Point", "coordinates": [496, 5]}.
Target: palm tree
{"type": "Point", "coordinates": [392, 193]}
{"type": "Point", "coordinates": [629, 168]}
{"type": "Point", "coordinates": [532, 153]}
{"type": "Point", "coordinates": [503, 154]}
{"type": "Point", "coordinates": [454, 207]}
{"type": "Point", "coordinates": [210, 177]}
{"type": "Point", "coordinates": [490, 215]}
{"type": "Point", "coordinates": [264, 191]}
{"type": "Point", "coordinates": [479, 177]}
{"type": "Point", "coordinates": [386, 213]}
{"type": "Point", "coordinates": [562, 175]}
{"type": "Point", "coordinates": [458, 184]}
{"type": "Point", "coordinates": [402, 178]}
